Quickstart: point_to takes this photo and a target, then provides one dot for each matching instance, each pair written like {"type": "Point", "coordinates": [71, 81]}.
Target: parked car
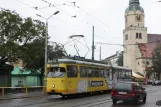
{"type": "Point", "coordinates": [128, 91]}
{"type": "Point", "coordinates": [156, 82]}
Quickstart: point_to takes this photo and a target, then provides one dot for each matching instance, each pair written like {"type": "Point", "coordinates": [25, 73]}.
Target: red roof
{"type": "Point", "coordinates": [154, 37]}
{"type": "Point", "coordinates": [147, 48]}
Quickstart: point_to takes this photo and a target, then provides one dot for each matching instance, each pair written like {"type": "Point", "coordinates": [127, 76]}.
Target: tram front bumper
{"type": "Point", "coordinates": [56, 91]}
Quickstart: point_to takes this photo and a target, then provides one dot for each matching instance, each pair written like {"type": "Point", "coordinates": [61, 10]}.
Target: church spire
{"type": "Point", "coordinates": [134, 2]}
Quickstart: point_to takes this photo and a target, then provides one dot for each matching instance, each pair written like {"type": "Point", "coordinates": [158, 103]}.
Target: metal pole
{"type": "Point", "coordinates": [93, 45]}
{"type": "Point", "coordinates": [100, 53]}
{"type": "Point", "coordinates": [46, 41]}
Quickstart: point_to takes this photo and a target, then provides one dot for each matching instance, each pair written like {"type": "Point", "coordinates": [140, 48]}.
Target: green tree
{"type": "Point", "coordinates": [24, 38]}
{"type": "Point", "coordinates": [156, 60]}
{"type": "Point", "coordinates": [56, 51]}
{"type": "Point", "coordinates": [16, 32]}
{"type": "Point", "coordinates": [120, 59]}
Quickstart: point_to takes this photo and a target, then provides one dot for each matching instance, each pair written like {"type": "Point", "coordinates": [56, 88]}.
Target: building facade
{"type": "Point", "coordinates": [138, 46]}
{"type": "Point", "coordinates": [112, 60]}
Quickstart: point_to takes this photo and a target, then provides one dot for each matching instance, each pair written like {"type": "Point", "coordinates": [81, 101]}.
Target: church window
{"type": "Point", "coordinates": [126, 37]}
{"type": "Point", "coordinates": [137, 35]}
{"type": "Point", "coordinates": [140, 35]}
{"type": "Point", "coordinates": [138, 63]}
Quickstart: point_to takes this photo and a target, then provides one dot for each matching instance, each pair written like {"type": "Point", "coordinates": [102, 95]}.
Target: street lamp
{"type": "Point", "coordinates": [46, 37]}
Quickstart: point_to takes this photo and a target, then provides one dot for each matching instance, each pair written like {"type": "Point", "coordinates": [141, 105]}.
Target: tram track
{"type": "Point", "coordinates": [96, 103]}
{"type": "Point", "coordinates": [105, 100]}
{"type": "Point", "coordinates": [58, 101]}
{"type": "Point", "coordinates": [43, 102]}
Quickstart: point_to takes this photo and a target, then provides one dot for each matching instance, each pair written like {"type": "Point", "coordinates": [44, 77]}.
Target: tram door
{"type": "Point", "coordinates": [83, 80]}
{"type": "Point", "coordinates": [72, 81]}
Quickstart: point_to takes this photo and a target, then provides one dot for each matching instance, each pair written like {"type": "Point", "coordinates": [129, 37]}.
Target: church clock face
{"type": "Point", "coordinates": [138, 18]}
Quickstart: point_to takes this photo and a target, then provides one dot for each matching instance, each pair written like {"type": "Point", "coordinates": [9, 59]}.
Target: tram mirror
{"type": "Point", "coordinates": [158, 103]}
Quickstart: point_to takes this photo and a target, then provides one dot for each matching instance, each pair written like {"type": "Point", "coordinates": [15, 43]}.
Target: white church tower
{"type": "Point", "coordinates": [134, 32]}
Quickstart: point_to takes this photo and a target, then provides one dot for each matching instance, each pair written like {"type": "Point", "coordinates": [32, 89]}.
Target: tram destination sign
{"type": "Point", "coordinates": [96, 83]}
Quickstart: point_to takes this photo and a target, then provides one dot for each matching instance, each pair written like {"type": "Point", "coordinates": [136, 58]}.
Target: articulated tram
{"type": "Point", "coordinates": [73, 76]}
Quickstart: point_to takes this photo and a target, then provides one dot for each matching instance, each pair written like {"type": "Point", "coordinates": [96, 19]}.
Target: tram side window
{"type": "Point", "coordinates": [98, 73]}
{"type": "Point", "coordinates": [127, 75]}
{"type": "Point", "coordinates": [83, 71]}
{"type": "Point", "coordinates": [72, 71]}
{"type": "Point", "coordinates": [124, 74]}
{"type": "Point", "coordinates": [106, 73]}
{"type": "Point", "coordinates": [121, 74]}
{"type": "Point", "coordinates": [130, 75]}
{"type": "Point", "coordinates": [89, 72]}
{"type": "Point", "coordinates": [94, 72]}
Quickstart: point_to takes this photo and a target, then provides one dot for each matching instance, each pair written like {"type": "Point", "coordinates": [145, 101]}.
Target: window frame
{"type": "Point", "coordinates": [75, 75]}
{"type": "Point", "coordinates": [81, 72]}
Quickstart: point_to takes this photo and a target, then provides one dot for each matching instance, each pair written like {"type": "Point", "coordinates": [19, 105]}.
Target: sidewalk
{"type": "Point", "coordinates": [21, 95]}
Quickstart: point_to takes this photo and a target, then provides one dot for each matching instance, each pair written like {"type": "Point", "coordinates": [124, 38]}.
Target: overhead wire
{"type": "Point", "coordinates": [44, 13]}
{"type": "Point", "coordinates": [51, 26]}
{"type": "Point", "coordinates": [70, 14]}
{"type": "Point", "coordinates": [74, 3]}
{"type": "Point", "coordinates": [36, 8]}
{"type": "Point", "coordinates": [157, 41]}
{"type": "Point", "coordinates": [73, 16]}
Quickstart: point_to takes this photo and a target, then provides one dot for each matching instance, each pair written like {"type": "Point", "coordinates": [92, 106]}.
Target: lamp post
{"type": "Point", "coordinates": [46, 37]}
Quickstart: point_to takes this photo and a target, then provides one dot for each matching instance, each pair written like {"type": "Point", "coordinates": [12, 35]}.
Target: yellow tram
{"type": "Point", "coordinates": [74, 76]}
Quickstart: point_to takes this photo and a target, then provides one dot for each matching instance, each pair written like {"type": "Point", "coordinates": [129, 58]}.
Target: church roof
{"type": "Point", "coordinates": [134, 5]}
{"type": "Point", "coordinates": [154, 37]}
{"type": "Point", "coordinates": [146, 49]}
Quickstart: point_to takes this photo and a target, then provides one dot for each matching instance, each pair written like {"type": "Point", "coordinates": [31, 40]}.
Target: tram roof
{"type": "Point", "coordinates": [82, 62]}
{"type": "Point", "coordinates": [120, 67]}
{"type": "Point", "coordinates": [89, 62]}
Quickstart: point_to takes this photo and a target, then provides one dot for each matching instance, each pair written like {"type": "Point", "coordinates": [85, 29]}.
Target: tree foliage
{"type": "Point", "coordinates": [120, 59]}
{"type": "Point", "coordinates": [156, 60]}
{"type": "Point", "coordinates": [24, 38]}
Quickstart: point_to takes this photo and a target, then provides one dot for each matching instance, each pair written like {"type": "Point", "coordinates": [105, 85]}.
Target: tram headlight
{"type": "Point", "coordinates": [53, 85]}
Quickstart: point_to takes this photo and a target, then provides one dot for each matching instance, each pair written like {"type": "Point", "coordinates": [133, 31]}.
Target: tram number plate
{"type": "Point", "coordinates": [122, 92]}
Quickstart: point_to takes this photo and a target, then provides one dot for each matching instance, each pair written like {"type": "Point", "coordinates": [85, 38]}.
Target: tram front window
{"type": "Point", "coordinates": [56, 73]}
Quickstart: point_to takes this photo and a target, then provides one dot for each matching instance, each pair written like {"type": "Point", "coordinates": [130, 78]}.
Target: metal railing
{"type": "Point", "coordinates": [25, 87]}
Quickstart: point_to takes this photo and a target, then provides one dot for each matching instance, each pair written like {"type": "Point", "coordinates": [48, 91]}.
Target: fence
{"type": "Point", "coordinates": [26, 89]}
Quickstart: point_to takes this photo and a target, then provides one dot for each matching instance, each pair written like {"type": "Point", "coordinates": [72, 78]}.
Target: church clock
{"type": "Point", "coordinates": [138, 18]}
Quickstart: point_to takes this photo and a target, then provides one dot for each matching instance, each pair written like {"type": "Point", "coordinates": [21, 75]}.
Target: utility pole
{"type": "Point", "coordinates": [93, 47]}
{"type": "Point", "coordinates": [46, 40]}
{"type": "Point", "coordinates": [100, 53]}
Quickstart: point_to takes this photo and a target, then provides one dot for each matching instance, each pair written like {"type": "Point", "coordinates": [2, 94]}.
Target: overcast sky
{"type": "Point", "coordinates": [106, 15]}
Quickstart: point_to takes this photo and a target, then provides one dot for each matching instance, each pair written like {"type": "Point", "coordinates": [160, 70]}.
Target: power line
{"type": "Point", "coordinates": [73, 16]}
{"type": "Point", "coordinates": [74, 3]}
{"type": "Point", "coordinates": [157, 41]}
{"type": "Point", "coordinates": [49, 6]}
{"type": "Point", "coordinates": [36, 8]}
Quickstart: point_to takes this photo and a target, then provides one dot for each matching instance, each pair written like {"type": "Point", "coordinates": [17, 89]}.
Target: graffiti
{"type": "Point", "coordinates": [110, 79]}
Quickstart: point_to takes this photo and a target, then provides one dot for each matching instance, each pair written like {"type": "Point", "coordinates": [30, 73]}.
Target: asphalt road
{"type": "Point", "coordinates": [103, 100]}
